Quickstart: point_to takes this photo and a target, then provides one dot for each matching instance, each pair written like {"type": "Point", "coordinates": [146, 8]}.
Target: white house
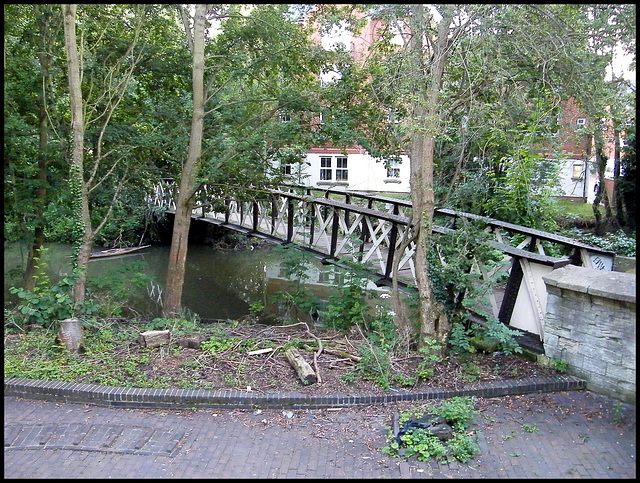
{"type": "Point", "coordinates": [353, 169]}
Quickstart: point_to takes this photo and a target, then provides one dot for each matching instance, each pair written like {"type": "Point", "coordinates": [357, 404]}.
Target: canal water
{"type": "Point", "coordinates": [219, 284]}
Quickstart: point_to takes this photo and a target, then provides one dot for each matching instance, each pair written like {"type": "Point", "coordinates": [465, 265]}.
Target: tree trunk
{"type": "Point", "coordinates": [71, 334]}
{"type": "Point", "coordinates": [43, 130]}
{"type": "Point", "coordinates": [184, 204]}
{"type": "Point", "coordinates": [617, 195]}
{"type": "Point", "coordinates": [83, 236]}
{"type": "Point", "coordinates": [426, 115]}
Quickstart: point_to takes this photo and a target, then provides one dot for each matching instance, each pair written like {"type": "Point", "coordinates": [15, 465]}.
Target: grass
{"type": "Point", "coordinates": [575, 208]}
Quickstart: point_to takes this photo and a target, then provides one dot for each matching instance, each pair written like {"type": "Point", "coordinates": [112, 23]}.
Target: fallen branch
{"type": "Point", "coordinates": [302, 367]}
{"type": "Point", "coordinates": [343, 354]}
{"type": "Point", "coordinates": [315, 355]}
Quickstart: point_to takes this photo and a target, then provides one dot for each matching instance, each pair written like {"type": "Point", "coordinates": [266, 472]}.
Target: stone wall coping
{"type": "Point", "coordinates": [619, 286]}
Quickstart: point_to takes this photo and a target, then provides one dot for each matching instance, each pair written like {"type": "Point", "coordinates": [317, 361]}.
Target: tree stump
{"type": "Point", "coordinates": [302, 367]}
{"type": "Point", "coordinates": [192, 341]}
{"type": "Point", "coordinates": [71, 334]}
{"type": "Point", "coordinates": [154, 338]}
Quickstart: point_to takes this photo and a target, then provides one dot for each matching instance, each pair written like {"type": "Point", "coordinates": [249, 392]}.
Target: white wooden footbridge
{"type": "Point", "coordinates": [340, 225]}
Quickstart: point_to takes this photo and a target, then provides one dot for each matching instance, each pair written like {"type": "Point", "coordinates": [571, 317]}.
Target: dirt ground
{"type": "Point", "coordinates": [264, 367]}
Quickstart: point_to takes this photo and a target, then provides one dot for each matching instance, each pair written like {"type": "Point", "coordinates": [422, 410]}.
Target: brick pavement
{"type": "Point", "coordinates": [573, 434]}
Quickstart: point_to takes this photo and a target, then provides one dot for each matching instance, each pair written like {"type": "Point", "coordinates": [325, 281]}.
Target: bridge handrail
{"type": "Point", "coordinates": [491, 222]}
{"type": "Point", "coordinates": [295, 192]}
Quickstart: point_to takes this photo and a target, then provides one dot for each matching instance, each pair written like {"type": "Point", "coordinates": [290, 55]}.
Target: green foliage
{"type": "Point", "coordinates": [177, 326]}
{"type": "Point", "coordinates": [47, 304]}
{"type": "Point", "coordinates": [530, 428]}
{"type": "Point", "coordinates": [496, 334]}
{"type": "Point", "coordinates": [452, 267]}
{"type": "Point", "coordinates": [430, 351]}
{"type": "Point", "coordinates": [348, 307]}
{"type": "Point", "coordinates": [523, 193]}
{"type": "Point", "coordinates": [299, 300]}
{"type": "Point", "coordinates": [374, 365]}
{"type": "Point", "coordinates": [218, 345]}
{"type": "Point", "coordinates": [461, 289]}
{"type": "Point", "coordinates": [113, 291]}
{"type": "Point", "coordinates": [460, 338]}
{"type": "Point", "coordinates": [458, 412]}
{"type": "Point", "coordinates": [559, 365]}
{"type": "Point", "coordinates": [423, 446]}
{"type": "Point", "coordinates": [462, 447]}
{"type": "Point", "coordinates": [618, 412]}
{"type": "Point", "coordinates": [619, 242]}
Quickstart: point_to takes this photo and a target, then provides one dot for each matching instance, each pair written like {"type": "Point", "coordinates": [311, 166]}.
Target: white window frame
{"type": "Point", "coordinates": [342, 169]}
{"type": "Point", "coordinates": [393, 170]}
{"type": "Point", "coordinates": [577, 171]}
{"type": "Point", "coordinates": [326, 170]}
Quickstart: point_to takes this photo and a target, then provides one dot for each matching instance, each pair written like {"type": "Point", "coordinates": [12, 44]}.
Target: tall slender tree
{"type": "Point", "coordinates": [172, 304]}
{"type": "Point", "coordinates": [113, 75]}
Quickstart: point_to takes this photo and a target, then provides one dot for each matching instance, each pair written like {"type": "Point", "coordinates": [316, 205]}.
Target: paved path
{"type": "Point", "coordinates": [575, 434]}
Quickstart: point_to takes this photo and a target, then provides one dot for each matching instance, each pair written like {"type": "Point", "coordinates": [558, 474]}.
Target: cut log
{"type": "Point", "coordinates": [71, 334]}
{"type": "Point", "coordinates": [302, 367]}
{"type": "Point", "coordinates": [154, 338]}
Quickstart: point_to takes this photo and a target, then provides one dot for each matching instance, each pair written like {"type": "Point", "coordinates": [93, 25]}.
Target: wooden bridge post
{"type": "Point", "coordinates": [290, 213]}
{"type": "Point", "coordinates": [274, 212]}
{"type": "Point", "coordinates": [393, 236]}
{"type": "Point", "coordinates": [256, 219]}
{"type": "Point", "coordinates": [334, 233]}
{"type": "Point", "coordinates": [227, 204]}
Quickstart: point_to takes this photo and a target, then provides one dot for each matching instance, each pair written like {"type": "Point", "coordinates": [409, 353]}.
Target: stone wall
{"type": "Point", "coordinates": [590, 324]}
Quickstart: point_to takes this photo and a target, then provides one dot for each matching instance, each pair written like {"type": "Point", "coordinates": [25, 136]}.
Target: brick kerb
{"type": "Point", "coordinates": [189, 398]}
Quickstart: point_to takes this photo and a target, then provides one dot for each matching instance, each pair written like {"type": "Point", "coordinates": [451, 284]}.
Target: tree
{"type": "Point", "coordinates": [627, 182]}
{"type": "Point", "coordinates": [458, 64]}
{"type": "Point", "coordinates": [190, 170]}
{"type": "Point", "coordinates": [430, 50]}
{"type": "Point", "coordinates": [31, 36]}
{"type": "Point", "coordinates": [113, 75]}
{"type": "Point", "coordinates": [259, 65]}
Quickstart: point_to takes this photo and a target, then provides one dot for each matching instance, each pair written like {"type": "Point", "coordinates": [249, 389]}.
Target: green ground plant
{"type": "Point", "coordinates": [458, 412]}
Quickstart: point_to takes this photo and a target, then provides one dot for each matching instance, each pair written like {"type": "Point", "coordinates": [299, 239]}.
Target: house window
{"type": "Point", "coordinates": [581, 121]}
{"type": "Point", "coordinates": [577, 171]}
{"type": "Point", "coordinates": [393, 169]}
{"type": "Point", "coordinates": [286, 169]}
{"type": "Point", "coordinates": [285, 117]}
{"type": "Point", "coordinates": [342, 173]}
{"type": "Point", "coordinates": [325, 169]}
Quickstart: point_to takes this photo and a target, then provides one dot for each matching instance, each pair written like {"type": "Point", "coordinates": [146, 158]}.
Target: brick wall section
{"type": "Point", "coordinates": [590, 324]}
{"type": "Point", "coordinates": [128, 397]}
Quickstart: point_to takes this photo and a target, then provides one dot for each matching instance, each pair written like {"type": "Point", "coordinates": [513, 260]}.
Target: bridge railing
{"type": "Point", "coordinates": [362, 207]}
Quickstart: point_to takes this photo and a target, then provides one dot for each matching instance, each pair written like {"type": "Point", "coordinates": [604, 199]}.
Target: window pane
{"type": "Point", "coordinates": [577, 170]}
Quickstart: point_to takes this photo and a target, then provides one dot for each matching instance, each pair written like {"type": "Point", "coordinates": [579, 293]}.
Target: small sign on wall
{"type": "Point", "coordinates": [601, 262]}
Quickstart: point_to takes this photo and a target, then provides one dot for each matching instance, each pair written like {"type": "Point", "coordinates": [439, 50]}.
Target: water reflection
{"type": "Point", "coordinates": [218, 284]}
